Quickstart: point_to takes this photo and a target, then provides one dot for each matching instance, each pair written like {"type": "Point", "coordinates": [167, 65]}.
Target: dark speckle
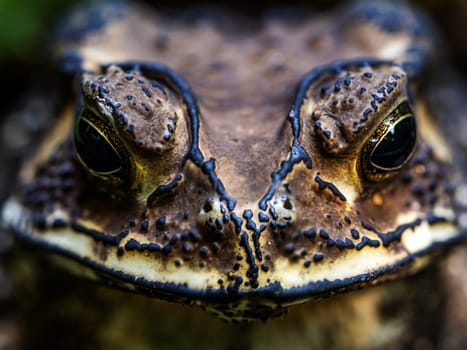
{"type": "Point", "coordinates": [167, 249]}
{"type": "Point", "coordinates": [365, 114]}
{"type": "Point", "coordinates": [146, 91]}
{"type": "Point", "coordinates": [170, 128]}
{"type": "Point", "coordinates": [310, 233]}
{"type": "Point", "coordinates": [349, 243]}
{"type": "Point", "coordinates": [358, 129]}
{"type": "Point", "coordinates": [195, 237]}
{"type": "Point", "coordinates": [355, 234]}
{"type": "Point", "coordinates": [162, 42]}
{"type": "Point", "coordinates": [161, 222]}
{"type": "Point", "coordinates": [318, 257]}
{"type": "Point", "coordinates": [366, 241]}
{"type": "Point", "coordinates": [373, 105]}
{"type": "Point", "coordinates": [338, 85]}
{"type": "Point", "coordinates": [217, 66]}
{"type": "Point", "coordinates": [323, 234]}
{"type": "Point", "coordinates": [131, 130]}
{"type": "Point", "coordinates": [263, 217]}
{"type": "Point", "coordinates": [204, 251]}
{"type": "Point", "coordinates": [289, 248]}
{"type": "Point", "coordinates": [186, 247]}
{"type": "Point", "coordinates": [322, 185]}
{"type": "Point", "coordinates": [174, 239]}
{"type": "Point", "coordinates": [418, 190]}
{"type": "Point", "coordinates": [145, 106]}
{"type": "Point", "coordinates": [324, 89]}
{"type": "Point", "coordinates": [215, 247]}
{"type": "Point", "coordinates": [144, 226]}
{"type": "Point", "coordinates": [273, 213]}
{"type": "Point", "coordinates": [340, 244]}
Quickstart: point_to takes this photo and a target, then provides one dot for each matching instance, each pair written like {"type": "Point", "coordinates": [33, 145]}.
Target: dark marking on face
{"type": "Point", "coordinates": [162, 189]}
{"type": "Point", "coordinates": [328, 185]}
{"type": "Point", "coordinates": [100, 236]}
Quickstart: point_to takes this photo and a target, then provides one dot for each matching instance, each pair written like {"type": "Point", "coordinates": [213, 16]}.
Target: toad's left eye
{"type": "Point", "coordinates": [396, 146]}
{"type": "Point", "coordinates": [391, 145]}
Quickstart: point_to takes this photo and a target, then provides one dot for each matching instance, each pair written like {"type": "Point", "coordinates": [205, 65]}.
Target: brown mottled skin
{"type": "Point", "coordinates": [237, 209]}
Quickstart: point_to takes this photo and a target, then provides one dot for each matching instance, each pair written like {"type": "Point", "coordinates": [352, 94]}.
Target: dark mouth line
{"type": "Point", "coordinates": [273, 291]}
{"type": "Point", "coordinates": [395, 235]}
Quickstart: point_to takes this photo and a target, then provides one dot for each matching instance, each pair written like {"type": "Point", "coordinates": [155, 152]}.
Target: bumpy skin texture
{"type": "Point", "coordinates": [246, 182]}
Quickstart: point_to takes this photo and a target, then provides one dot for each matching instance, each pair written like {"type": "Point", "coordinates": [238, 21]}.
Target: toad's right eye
{"type": "Point", "coordinates": [100, 150]}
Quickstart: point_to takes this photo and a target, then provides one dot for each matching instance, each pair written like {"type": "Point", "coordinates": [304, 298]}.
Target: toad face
{"type": "Point", "coordinates": [242, 167]}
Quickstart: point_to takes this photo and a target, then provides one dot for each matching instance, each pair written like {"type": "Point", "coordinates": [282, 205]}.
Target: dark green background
{"type": "Point", "coordinates": [24, 24]}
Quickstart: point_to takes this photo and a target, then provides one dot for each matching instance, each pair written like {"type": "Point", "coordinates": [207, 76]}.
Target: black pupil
{"type": "Point", "coordinates": [94, 150]}
{"type": "Point", "coordinates": [396, 146]}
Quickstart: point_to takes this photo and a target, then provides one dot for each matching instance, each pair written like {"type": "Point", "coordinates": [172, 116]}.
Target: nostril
{"type": "Point", "coordinates": [207, 207]}
{"type": "Point", "coordinates": [284, 209]}
{"type": "Point", "coordinates": [211, 214]}
{"type": "Point", "coordinates": [288, 204]}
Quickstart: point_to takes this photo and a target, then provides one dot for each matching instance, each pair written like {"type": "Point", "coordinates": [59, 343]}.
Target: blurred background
{"type": "Point", "coordinates": [25, 24]}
